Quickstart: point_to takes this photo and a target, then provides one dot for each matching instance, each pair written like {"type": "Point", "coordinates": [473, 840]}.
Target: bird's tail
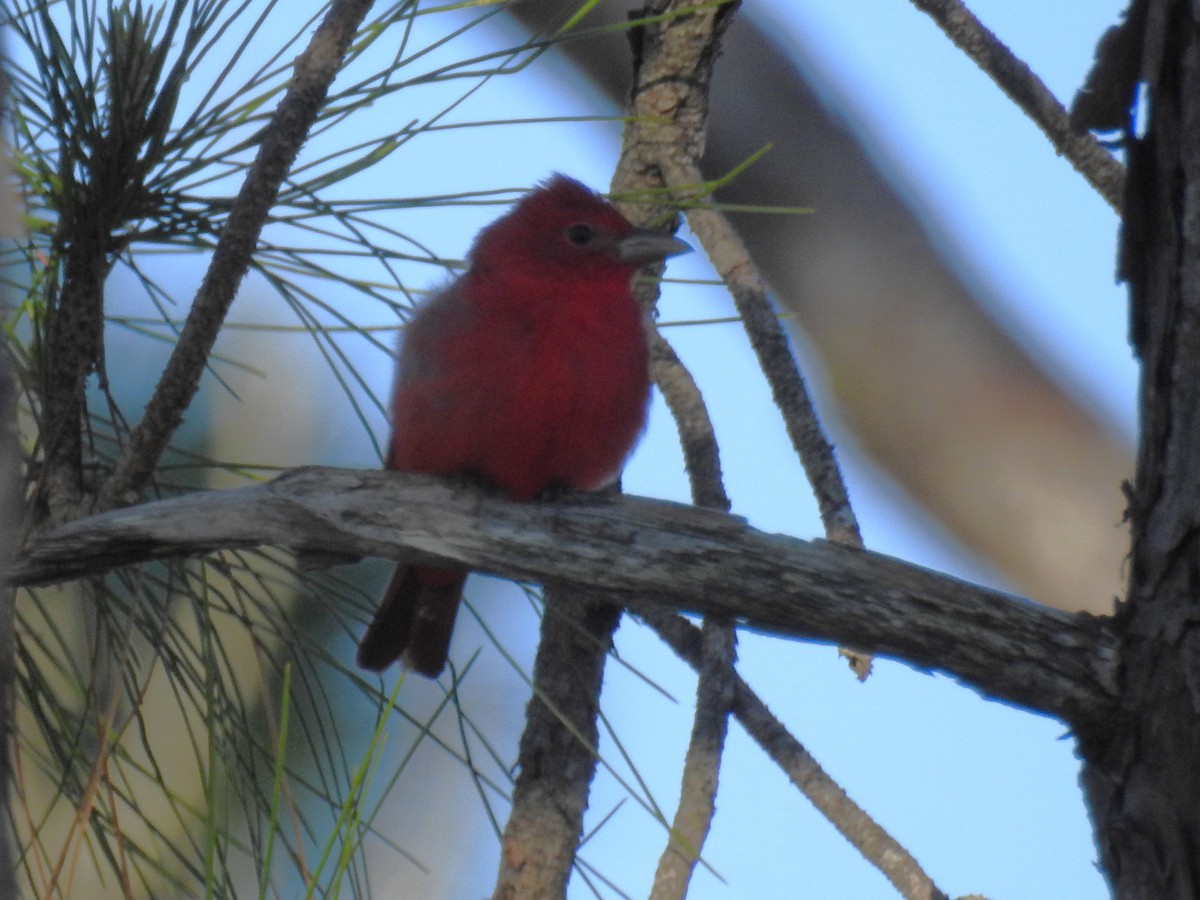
{"type": "Point", "coordinates": [414, 621]}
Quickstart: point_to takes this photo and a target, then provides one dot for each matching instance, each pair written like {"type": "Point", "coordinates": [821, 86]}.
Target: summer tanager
{"type": "Point", "coordinates": [528, 370]}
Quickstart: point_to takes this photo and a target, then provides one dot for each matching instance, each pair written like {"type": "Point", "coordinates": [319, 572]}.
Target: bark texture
{"type": "Point", "coordinates": [558, 747]}
{"type": "Point", "coordinates": [643, 551]}
{"type": "Point", "coordinates": [1141, 774]}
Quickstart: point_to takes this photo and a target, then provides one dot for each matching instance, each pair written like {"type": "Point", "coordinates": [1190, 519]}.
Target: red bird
{"type": "Point", "coordinates": [529, 370]}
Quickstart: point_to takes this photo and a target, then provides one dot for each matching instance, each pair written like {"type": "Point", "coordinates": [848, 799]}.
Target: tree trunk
{"type": "Point", "coordinates": [1142, 773]}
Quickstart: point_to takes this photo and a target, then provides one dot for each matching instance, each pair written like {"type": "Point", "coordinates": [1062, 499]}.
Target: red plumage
{"type": "Point", "coordinates": [529, 370]}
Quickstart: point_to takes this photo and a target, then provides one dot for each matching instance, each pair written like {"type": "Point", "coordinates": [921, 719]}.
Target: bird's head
{"type": "Point", "coordinates": [563, 229]}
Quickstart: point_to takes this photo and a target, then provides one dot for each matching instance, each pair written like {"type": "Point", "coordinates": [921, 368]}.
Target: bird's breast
{"type": "Point", "coordinates": [530, 397]}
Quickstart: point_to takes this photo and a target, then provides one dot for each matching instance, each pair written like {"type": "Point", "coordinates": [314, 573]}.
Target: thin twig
{"type": "Point", "coordinates": [1030, 93]}
{"type": "Point", "coordinates": [282, 139]}
{"type": "Point", "coordinates": [701, 766]}
{"type": "Point", "coordinates": [731, 258]}
{"type": "Point", "coordinates": [875, 844]}
{"type": "Point", "coordinates": [697, 436]}
{"type": "Point", "coordinates": [663, 143]}
{"type": "Point", "coordinates": [714, 689]}
{"type": "Point", "coordinates": [733, 263]}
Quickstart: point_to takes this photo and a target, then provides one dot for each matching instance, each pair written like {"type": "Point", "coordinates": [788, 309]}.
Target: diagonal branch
{"type": "Point", "coordinates": [875, 844]}
{"type": "Point", "coordinates": [714, 689]}
{"type": "Point", "coordinates": [677, 556]}
{"type": "Point", "coordinates": [281, 142]}
{"type": "Point", "coordinates": [733, 263]}
{"type": "Point", "coordinates": [664, 139]}
{"type": "Point", "coordinates": [1030, 93]}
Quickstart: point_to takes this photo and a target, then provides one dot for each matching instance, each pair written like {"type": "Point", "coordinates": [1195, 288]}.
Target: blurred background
{"type": "Point", "coordinates": [952, 299]}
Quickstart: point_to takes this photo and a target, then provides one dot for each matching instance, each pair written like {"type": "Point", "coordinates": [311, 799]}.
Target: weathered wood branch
{"type": "Point", "coordinates": [650, 551]}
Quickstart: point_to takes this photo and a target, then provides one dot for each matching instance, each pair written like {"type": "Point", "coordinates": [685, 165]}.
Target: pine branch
{"type": "Point", "coordinates": [651, 551]}
{"type": "Point", "coordinates": [281, 142]}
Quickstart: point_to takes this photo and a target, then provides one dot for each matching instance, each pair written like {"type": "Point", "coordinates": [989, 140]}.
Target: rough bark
{"type": "Point", "coordinates": [675, 49]}
{"type": "Point", "coordinates": [558, 747]}
{"type": "Point", "coordinates": [1141, 771]}
{"type": "Point", "coordinates": [643, 550]}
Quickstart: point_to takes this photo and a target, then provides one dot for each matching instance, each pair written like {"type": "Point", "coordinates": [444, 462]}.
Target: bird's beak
{"type": "Point", "coordinates": [644, 246]}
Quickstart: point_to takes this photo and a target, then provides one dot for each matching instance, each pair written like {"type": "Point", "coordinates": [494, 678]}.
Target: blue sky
{"type": "Point", "coordinates": [985, 796]}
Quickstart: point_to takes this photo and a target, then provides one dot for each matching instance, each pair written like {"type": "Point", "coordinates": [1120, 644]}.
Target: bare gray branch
{"type": "Point", "coordinates": [679, 556]}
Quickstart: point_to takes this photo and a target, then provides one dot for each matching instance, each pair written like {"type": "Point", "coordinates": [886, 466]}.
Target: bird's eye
{"type": "Point", "coordinates": [580, 235]}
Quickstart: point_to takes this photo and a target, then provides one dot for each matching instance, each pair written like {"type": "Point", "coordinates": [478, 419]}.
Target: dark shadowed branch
{"type": "Point", "coordinates": [1139, 774]}
{"type": "Point", "coordinates": [559, 746]}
